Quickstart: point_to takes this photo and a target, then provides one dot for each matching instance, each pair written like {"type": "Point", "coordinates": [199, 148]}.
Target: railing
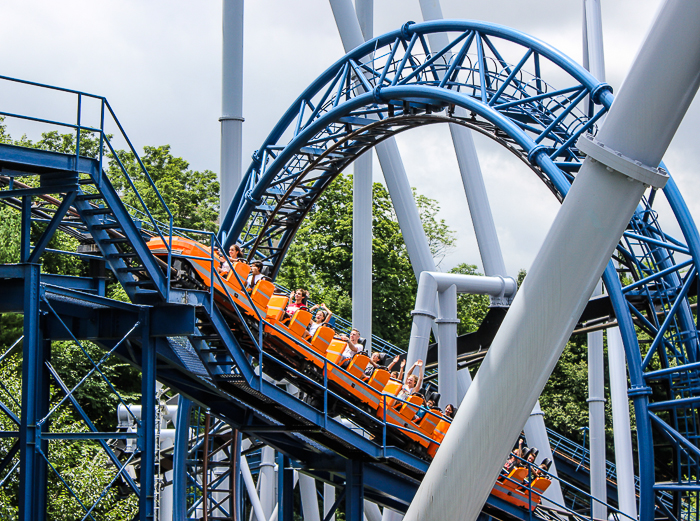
{"type": "Point", "coordinates": [111, 156]}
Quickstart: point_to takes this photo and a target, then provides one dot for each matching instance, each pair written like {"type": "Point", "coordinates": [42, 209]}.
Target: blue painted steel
{"type": "Point", "coordinates": [393, 83]}
{"type": "Point", "coordinates": [147, 424]}
{"type": "Point", "coordinates": [354, 491]}
{"type": "Point", "coordinates": [285, 489]}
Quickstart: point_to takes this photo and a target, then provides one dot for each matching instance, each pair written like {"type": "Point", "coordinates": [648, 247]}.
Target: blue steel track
{"type": "Point", "coordinates": [505, 81]}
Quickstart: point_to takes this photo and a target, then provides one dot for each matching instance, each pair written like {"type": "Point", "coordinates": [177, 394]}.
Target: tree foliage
{"type": "Point", "coordinates": [320, 259]}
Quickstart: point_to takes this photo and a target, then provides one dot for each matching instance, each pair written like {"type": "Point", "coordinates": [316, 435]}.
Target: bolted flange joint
{"type": "Point", "coordinates": [615, 161]}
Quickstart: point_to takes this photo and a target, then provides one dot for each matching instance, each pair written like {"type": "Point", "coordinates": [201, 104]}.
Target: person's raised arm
{"type": "Point", "coordinates": [393, 363]}
{"type": "Point", "coordinates": [403, 364]}
{"type": "Point", "coordinates": [328, 313]}
{"type": "Point", "coordinates": [419, 364]}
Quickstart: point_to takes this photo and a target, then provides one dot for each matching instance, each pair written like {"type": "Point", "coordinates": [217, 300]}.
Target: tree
{"type": "Point", "coordinates": [320, 259]}
{"type": "Point", "coordinates": [191, 196]}
{"type": "Point", "coordinates": [471, 309]}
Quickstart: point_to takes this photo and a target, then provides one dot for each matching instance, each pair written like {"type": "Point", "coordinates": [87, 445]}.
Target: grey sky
{"type": "Point", "coordinates": [158, 63]}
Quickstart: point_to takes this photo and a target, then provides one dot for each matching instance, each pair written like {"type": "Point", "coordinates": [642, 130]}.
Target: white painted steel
{"type": "Point", "coordinates": [624, 463]}
{"type": "Point", "coordinates": [391, 515]}
{"type": "Point", "coordinates": [464, 380]}
{"type": "Point", "coordinates": [267, 481]}
{"type": "Point", "coordinates": [362, 214]}
{"type": "Point", "coordinates": [250, 488]}
{"type": "Point", "coordinates": [470, 170]}
{"type": "Point", "coordinates": [431, 284]}
{"type": "Point", "coordinates": [663, 79]}
{"type": "Point", "coordinates": [273, 516]}
{"type": "Point", "coordinates": [328, 500]}
{"type": "Point", "coordinates": [389, 158]}
{"type": "Point", "coordinates": [447, 346]}
{"type": "Point", "coordinates": [593, 38]}
{"type": "Point", "coordinates": [231, 102]}
{"type": "Point", "coordinates": [372, 512]}
{"type": "Point", "coordinates": [309, 499]}
{"type": "Point", "coordinates": [536, 434]}
{"type": "Point", "coordinates": [596, 418]}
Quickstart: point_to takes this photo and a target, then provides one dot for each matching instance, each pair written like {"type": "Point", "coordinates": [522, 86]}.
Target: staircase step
{"type": "Point", "coordinates": [132, 269]}
{"type": "Point", "coordinates": [98, 211]}
{"type": "Point", "coordinates": [119, 240]}
{"type": "Point", "coordinates": [86, 181]}
{"type": "Point", "coordinates": [130, 255]}
{"type": "Point", "coordinates": [139, 283]}
{"type": "Point", "coordinates": [107, 226]}
{"type": "Point", "coordinates": [88, 197]}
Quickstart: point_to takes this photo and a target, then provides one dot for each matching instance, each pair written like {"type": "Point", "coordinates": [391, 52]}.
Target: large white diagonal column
{"type": "Point", "coordinates": [664, 79]}
{"type": "Point", "coordinates": [362, 214]}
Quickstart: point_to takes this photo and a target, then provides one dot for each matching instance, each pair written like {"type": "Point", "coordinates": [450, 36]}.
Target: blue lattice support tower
{"type": "Point", "coordinates": [354, 491]}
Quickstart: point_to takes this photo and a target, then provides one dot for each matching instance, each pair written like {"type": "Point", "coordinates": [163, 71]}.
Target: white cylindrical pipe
{"type": "Point", "coordinates": [536, 434]}
{"type": "Point", "coordinates": [231, 102]}
{"type": "Point", "coordinates": [362, 247]}
{"type": "Point", "coordinates": [447, 346]}
{"type": "Point", "coordinates": [464, 380]}
{"type": "Point", "coordinates": [664, 79]}
{"type": "Point", "coordinates": [624, 463]}
{"type": "Point", "coordinates": [470, 169]}
{"type": "Point", "coordinates": [596, 419]}
{"type": "Point", "coordinates": [309, 500]}
{"type": "Point", "coordinates": [391, 515]}
{"type": "Point", "coordinates": [372, 512]}
{"type": "Point", "coordinates": [267, 482]}
{"type": "Point", "coordinates": [250, 488]}
{"type": "Point", "coordinates": [429, 284]}
{"type": "Point", "coordinates": [328, 500]}
{"type": "Point", "coordinates": [593, 38]}
{"type": "Point", "coordinates": [362, 214]}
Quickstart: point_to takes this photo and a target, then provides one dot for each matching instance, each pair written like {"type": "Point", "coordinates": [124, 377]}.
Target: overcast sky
{"type": "Point", "coordinates": [158, 63]}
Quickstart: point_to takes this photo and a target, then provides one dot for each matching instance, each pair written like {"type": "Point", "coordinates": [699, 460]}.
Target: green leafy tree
{"type": "Point", "coordinates": [320, 259]}
{"type": "Point", "coordinates": [471, 309]}
{"type": "Point", "coordinates": [191, 196]}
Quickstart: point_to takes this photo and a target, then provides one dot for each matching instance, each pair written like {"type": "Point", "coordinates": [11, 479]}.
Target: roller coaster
{"type": "Point", "coordinates": [229, 351]}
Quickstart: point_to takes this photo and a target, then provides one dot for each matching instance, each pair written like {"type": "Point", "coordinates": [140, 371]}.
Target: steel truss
{"type": "Point", "coordinates": [506, 82]}
{"type": "Point", "coordinates": [390, 84]}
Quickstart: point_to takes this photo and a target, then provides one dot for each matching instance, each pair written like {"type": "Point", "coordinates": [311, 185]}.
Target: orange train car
{"type": "Point", "coordinates": [193, 264]}
{"type": "Point", "coordinates": [515, 490]}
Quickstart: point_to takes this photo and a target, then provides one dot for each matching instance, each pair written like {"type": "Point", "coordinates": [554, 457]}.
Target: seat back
{"type": "Point", "coordinates": [262, 293]}
{"type": "Point", "coordinates": [275, 308]}
{"type": "Point", "coordinates": [242, 269]}
{"type": "Point", "coordinates": [541, 484]}
{"type": "Point", "coordinates": [322, 339]}
{"type": "Point", "coordinates": [358, 365]}
{"type": "Point", "coordinates": [379, 379]}
{"type": "Point", "coordinates": [334, 353]}
{"type": "Point", "coordinates": [518, 474]}
{"type": "Point", "coordinates": [299, 322]}
{"type": "Point", "coordinates": [428, 423]}
{"type": "Point", "coordinates": [440, 430]}
{"type": "Point", "coordinates": [392, 388]}
{"type": "Point", "coordinates": [409, 410]}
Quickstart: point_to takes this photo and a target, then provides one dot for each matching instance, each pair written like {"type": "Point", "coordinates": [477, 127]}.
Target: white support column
{"type": "Point", "coordinates": [536, 434]}
{"type": "Point", "coordinates": [464, 380]}
{"type": "Point", "coordinates": [309, 500]}
{"type": "Point", "coordinates": [390, 159]}
{"type": "Point", "coordinates": [231, 102]}
{"type": "Point", "coordinates": [328, 500]}
{"type": "Point", "coordinates": [470, 170]}
{"type": "Point", "coordinates": [596, 418]}
{"type": "Point", "coordinates": [624, 463]}
{"type": "Point", "coordinates": [362, 215]}
{"type": "Point", "coordinates": [372, 512]}
{"type": "Point", "coordinates": [664, 79]}
{"type": "Point", "coordinates": [391, 515]}
{"type": "Point", "coordinates": [447, 346]}
{"type": "Point", "coordinates": [267, 482]}
{"type": "Point", "coordinates": [252, 493]}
